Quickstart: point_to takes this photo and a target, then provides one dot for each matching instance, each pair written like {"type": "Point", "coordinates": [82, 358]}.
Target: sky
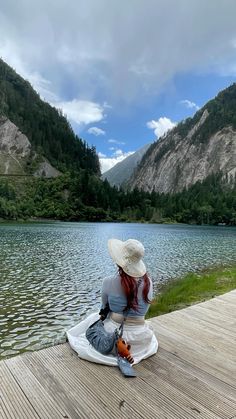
{"type": "Point", "coordinates": [123, 72]}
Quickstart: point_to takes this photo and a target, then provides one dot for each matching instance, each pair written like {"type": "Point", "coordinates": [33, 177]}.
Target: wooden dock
{"type": "Point", "coordinates": [193, 374]}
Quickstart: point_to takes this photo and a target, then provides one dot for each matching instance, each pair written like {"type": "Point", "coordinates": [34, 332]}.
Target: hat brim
{"type": "Point", "coordinates": [116, 250]}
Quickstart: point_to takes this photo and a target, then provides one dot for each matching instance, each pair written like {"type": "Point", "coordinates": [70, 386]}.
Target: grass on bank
{"type": "Point", "coordinates": [193, 288]}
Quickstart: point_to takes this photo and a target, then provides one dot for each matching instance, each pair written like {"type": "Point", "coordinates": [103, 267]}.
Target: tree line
{"type": "Point", "coordinates": [85, 197]}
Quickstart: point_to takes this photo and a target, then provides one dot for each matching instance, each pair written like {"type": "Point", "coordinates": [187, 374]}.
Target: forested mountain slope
{"type": "Point", "coordinates": [193, 150]}
{"type": "Point", "coordinates": [47, 130]}
{"type": "Point", "coordinates": [35, 139]}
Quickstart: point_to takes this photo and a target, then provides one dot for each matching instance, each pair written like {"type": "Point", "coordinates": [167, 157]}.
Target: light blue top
{"type": "Point", "coordinates": [113, 293]}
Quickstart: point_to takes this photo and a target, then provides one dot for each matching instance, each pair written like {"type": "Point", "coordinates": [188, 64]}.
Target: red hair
{"type": "Point", "coordinates": [130, 287]}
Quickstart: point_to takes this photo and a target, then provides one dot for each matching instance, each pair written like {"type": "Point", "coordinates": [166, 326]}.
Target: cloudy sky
{"type": "Point", "coordinates": [123, 72]}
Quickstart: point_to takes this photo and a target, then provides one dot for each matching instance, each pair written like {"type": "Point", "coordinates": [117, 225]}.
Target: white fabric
{"type": "Point", "coordinates": [141, 338]}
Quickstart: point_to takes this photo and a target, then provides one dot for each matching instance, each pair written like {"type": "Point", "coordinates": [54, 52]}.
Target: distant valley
{"type": "Point", "coordinates": [120, 174]}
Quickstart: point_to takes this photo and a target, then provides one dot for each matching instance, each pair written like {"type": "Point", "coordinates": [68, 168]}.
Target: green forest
{"type": "Point", "coordinates": [45, 126]}
{"type": "Point", "coordinates": [79, 194]}
{"type": "Point", "coordinates": [84, 197]}
{"type": "Point", "coordinates": [222, 110]}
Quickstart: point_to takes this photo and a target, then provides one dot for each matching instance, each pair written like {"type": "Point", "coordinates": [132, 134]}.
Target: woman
{"type": "Point", "coordinates": [128, 295]}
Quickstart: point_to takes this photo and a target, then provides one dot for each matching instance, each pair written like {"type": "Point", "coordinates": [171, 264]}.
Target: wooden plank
{"type": "Point", "coordinates": [215, 383]}
{"type": "Point", "coordinates": [5, 413]}
{"type": "Point", "coordinates": [214, 328]}
{"type": "Point", "coordinates": [229, 319]}
{"type": "Point", "coordinates": [53, 370]}
{"type": "Point", "coordinates": [227, 314]}
{"type": "Point", "coordinates": [14, 403]}
{"type": "Point", "coordinates": [204, 352]}
{"type": "Point", "coordinates": [53, 387]}
{"type": "Point", "coordinates": [187, 382]}
{"type": "Point", "coordinates": [217, 305]}
{"type": "Point", "coordinates": [188, 349]}
{"type": "Point", "coordinates": [221, 307]}
{"type": "Point", "coordinates": [226, 324]}
{"type": "Point", "coordinates": [213, 324]}
{"type": "Point", "coordinates": [228, 297]}
{"type": "Point", "coordinates": [193, 408]}
{"type": "Point", "coordinates": [187, 318]}
{"type": "Point", "coordinates": [151, 388]}
{"type": "Point", "coordinates": [192, 376]}
{"type": "Point", "coordinates": [108, 384]}
{"type": "Point", "coordinates": [42, 403]}
{"type": "Point", "coordinates": [188, 326]}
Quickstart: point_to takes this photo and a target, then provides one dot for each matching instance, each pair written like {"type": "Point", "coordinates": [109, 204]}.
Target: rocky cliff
{"type": "Point", "coordinates": [16, 154]}
{"type": "Point", "coordinates": [193, 150]}
{"type": "Point", "coordinates": [45, 127]}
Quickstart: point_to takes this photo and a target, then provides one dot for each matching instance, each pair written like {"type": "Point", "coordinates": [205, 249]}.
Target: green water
{"type": "Point", "coordinates": [51, 273]}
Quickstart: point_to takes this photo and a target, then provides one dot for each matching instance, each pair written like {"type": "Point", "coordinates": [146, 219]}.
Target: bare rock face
{"type": "Point", "coordinates": [198, 124]}
{"type": "Point", "coordinates": [45, 169]}
{"type": "Point", "coordinates": [176, 162]}
{"type": "Point", "coordinates": [16, 150]}
{"type": "Point", "coordinates": [12, 141]}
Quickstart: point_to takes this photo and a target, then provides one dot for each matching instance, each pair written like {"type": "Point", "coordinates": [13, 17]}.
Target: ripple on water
{"type": "Point", "coordinates": [51, 274]}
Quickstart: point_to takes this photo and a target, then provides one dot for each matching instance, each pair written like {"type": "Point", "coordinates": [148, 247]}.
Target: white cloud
{"type": "Point", "coordinates": [82, 111]}
{"type": "Point", "coordinates": [111, 54]}
{"type": "Point", "coordinates": [101, 155]}
{"type": "Point", "coordinates": [9, 52]}
{"type": "Point", "coordinates": [111, 140]}
{"type": "Point", "coordinates": [189, 104]}
{"type": "Point", "coordinates": [118, 153]}
{"type": "Point", "coordinates": [108, 162]}
{"type": "Point", "coordinates": [96, 131]}
{"type": "Point", "coordinates": [161, 126]}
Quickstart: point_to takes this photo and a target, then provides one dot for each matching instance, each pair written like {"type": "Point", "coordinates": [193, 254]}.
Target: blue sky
{"type": "Point", "coordinates": [129, 127]}
{"type": "Point", "coordinates": [122, 72]}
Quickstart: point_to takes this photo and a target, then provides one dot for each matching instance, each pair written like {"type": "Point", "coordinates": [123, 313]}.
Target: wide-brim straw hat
{"type": "Point", "coordinates": [128, 255]}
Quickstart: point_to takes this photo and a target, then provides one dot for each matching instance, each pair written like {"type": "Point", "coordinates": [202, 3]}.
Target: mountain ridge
{"type": "Point", "coordinates": [119, 174]}
{"type": "Point", "coordinates": [17, 156]}
{"type": "Point", "coordinates": [46, 128]}
{"type": "Point", "coordinates": [194, 149]}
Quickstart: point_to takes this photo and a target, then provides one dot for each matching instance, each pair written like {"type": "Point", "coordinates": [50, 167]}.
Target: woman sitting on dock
{"type": "Point", "coordinates": [128, 294]}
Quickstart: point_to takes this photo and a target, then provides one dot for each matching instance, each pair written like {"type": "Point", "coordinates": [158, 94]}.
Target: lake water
{"type": "Point", "coordinates": [51, 273]}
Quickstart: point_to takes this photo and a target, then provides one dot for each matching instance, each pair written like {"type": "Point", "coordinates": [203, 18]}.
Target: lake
{"type": "Point", "coordinates": [51, 273]}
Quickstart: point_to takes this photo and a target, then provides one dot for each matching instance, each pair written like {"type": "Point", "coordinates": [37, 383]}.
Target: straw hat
{"type": "Point", "coordinates": [128, 255]}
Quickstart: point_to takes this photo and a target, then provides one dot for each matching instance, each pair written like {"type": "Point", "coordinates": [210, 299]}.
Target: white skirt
{"type": "Point", "coordinates": [141, 338]}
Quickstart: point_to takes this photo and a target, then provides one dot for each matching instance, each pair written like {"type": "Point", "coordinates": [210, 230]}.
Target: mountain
{"type": "Point", "coordinates": [122, 171]}
{"type": "Point", "coordinates": [17, 155]}
{"type": "Point", "coordinates": [193, 150]}
{"type": "Point", "coordinates": [47, 131]}
{"type": "Point", "coordinates": [36, 139]}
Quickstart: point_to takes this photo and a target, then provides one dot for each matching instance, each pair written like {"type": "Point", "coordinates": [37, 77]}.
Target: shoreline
{"type": "Point", "coordinates": [179, 293]}
{"type": "Point", "coordinates": [193, 288]}
{"type": "Point", "coordinates": [51, 220]}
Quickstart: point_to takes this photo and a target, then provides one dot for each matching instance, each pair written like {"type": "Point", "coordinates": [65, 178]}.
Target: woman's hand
{"type": "Point", "coordinates": [104, 312]}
